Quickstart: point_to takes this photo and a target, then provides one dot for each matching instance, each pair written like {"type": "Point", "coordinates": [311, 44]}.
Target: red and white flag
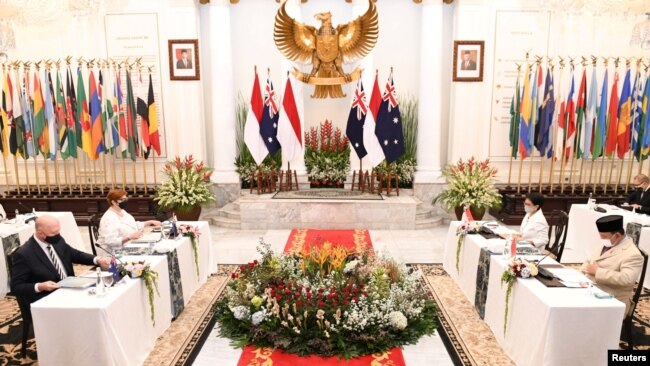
{"type": "Point", "coordinates": [467, 215]}
{"type": "Point", "coordinates": [252, 136]}
{"type": "Point", "coordinates": [289, 128]}
{"type": "Point", "coordinates": [370, 141]}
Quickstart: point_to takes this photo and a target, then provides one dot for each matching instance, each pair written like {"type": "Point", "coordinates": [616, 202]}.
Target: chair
{"type": "Point", "coordinates": [627, 322]}
{"type": "Point", "coordinates": [557, 232]}
{"type": "Point", "coordinates": [93, 231]}
{"type": "Point", "coordinates": [633, 231]}
{"type": "Point", "coordinates": [25, 311]}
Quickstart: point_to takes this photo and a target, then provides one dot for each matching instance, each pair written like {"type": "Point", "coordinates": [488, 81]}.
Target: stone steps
{"type": "Point", "coordinates": [424, 217]}
{"type": "Point", "coordinates": [225, 222]}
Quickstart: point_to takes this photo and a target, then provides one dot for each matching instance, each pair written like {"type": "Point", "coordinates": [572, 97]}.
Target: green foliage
{"type": "Point", "coordinates": [469, 184]}
{"type": "Point", "coordinates": [244, 162]}
{"type": "Point", "coordinates": [408, 107]}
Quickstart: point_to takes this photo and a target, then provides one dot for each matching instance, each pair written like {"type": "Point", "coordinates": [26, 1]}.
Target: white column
{"type": "Point", "coordinates": [430, 108]}
{"type": "Point", "coordinates": [220, 119]}
{"type": "Point", "coordinates": [298, 163]}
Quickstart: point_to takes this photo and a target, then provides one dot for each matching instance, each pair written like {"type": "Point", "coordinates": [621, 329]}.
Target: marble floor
{"type": "Point", "coordinates": [239, 246]}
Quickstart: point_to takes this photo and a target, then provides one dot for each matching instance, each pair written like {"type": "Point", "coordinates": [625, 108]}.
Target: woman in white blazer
{"type": "Point", "coordinates": [534, 227]}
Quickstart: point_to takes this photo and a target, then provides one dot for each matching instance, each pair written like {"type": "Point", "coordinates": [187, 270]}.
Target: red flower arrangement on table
{"type": "Point", "coordinates": [327, 156]}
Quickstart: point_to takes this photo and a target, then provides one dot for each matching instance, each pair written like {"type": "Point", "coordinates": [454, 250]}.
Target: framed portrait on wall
{"type": "Point", "coordinates": [468, 60]}
{"type": "Point", "coordinates": [184, 59]}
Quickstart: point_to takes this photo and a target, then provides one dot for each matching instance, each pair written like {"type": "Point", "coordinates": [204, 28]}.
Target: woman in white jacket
{"type": "Point", "coordinates": [118, 226]}
{"type": "Point", "coordinates": [534, 227]}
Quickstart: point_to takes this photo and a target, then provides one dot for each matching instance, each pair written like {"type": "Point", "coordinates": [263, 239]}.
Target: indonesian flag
{"type": "Point", "coordinates": [289, 130]}
{"type": "Point", "coordinates": [252, 136]}
{"type": "Point", "coordinates": [370, 140]}
{"type": "Point", "coordinates": [467, 215]}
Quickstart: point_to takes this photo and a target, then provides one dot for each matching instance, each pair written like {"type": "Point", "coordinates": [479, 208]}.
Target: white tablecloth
{"type": "Point", "coordinates": [549, 325]}
{"type": "Point", "coordinates": [69, 231]}
{"type": "Point", "coordinates": [74, 328]}
{"type": "Point", "coordinates": [546, 326]}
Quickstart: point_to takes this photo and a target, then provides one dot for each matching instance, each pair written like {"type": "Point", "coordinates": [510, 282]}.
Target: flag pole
{"type": "Point", "coordinates": [77, 170]}
{"type": "Point", "coordinates": [38, 179]}
{"type": "Point", "coordinates": [92, 182]}
{"type": "Point", "coordinates": [104, 171]}
{"type": "Point", "coordinates": [4, 163]}
{"type": "Point", "coordinates": [123, 172]}
{"type": "Point", "coordinates": [144, 171]}
{"type": "Point", "coordinates": [530, 174]}
{"type": "Point", "coordinates": [29, 189]}
{"type": "Point", "coordinates": [114, 172]}
{"type": "Point", "coordinates": [47, 176]}
{"type": "Point", "coordinates": [65, 175]}
{"type": "Point", "coordinates": [155, 173]}
{"type": "Point", "coordinates": [521, 163]}
{"type": "Point", "coordinates": [600, 173]}
{"type": "Point", "coordinates": [56, 174]}
{"type": "Point", "coordinates": [18, 189]}
{"type": "Point", "coordinates": [135, 179]}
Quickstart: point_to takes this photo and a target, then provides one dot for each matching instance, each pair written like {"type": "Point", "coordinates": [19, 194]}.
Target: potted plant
{"type": "Point", "coordinates": [469, 184]}
{"type": "Point", "coordinates": [186, 188]}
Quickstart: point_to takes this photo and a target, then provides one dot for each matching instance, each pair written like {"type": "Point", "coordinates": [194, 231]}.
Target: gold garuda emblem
{"type": "Point", "coordinates": [326, 48]}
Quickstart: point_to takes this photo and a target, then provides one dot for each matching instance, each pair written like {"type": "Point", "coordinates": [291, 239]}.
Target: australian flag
{"type": "Point", "coordinates": [389, 124]}
{"type": "Point", "coordinates": [270, 115]}
{"type": "Point", "coordinates": [112, 268]}
{"type": "Point", "coordinates": [356, 119]}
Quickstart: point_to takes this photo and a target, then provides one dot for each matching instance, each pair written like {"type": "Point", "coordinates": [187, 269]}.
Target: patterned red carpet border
{"type": "Point", "coordinates": [299, 240]}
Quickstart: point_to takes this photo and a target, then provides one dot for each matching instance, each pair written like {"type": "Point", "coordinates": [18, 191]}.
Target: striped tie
{"type": "Point", "coordinates": [55, 262]}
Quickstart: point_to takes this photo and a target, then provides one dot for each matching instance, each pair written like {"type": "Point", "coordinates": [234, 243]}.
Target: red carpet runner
{"type": "Point", "coordinates": [359, 240]}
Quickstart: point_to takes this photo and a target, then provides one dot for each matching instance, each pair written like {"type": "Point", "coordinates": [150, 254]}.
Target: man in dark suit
{"type": "Point", "coordinates": [45, 259]}
{"type": "Point", "coordinates": [467, 64]}
{"type": "Point", "coordinates": [183, 62]}
{"type": "Point", "coordinates": [640, 198]}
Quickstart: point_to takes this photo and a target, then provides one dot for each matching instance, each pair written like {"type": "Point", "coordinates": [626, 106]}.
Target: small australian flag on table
{"type": "Point", "coordinates": [389, 124]}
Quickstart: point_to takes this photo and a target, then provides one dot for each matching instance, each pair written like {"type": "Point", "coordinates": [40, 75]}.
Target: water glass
{"type": "Point", "coordinates": [506, 250]}
{"type": "Point", "coordinates": [108, 281]}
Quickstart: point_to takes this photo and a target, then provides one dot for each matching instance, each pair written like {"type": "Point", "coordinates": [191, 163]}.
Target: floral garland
{"type": "Point", "coordinates": [193, 233]}
{"type": "Point", "coordinates": [150, 277]}
{"type": "Point", "coordinates": [465, 227]}
{"type": "Point", "coordinates": [517, 268]}
{"type": "Point", "coordinates": [326, 301]}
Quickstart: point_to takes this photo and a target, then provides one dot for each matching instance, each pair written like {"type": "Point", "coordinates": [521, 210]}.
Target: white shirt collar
{"type": "Point", "coordinates": [41, 243]}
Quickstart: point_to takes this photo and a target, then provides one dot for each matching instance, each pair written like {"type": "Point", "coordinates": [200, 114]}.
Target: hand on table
{"type": "Point", "coordinates": [104, 262]}
{"type": "Point", "coordinates": [135, 235]}
{"type": "Point", "coordinates": [47, 286]}
{"type": "Point", "coordinates": [591, 269]}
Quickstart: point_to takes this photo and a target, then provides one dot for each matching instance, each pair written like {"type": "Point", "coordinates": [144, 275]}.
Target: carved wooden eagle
{"type": "Point", "coordinates": [327, 48]}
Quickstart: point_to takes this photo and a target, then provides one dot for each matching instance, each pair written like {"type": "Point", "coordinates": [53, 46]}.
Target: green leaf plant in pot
{"type": "Point", "coordinates": [186, 188]}
{"type": "Point", "coordinates": [469, 184]}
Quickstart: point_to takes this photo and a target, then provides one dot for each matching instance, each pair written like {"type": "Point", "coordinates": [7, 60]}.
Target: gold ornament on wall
{"type": "Point", "coordinates": [326, 48]}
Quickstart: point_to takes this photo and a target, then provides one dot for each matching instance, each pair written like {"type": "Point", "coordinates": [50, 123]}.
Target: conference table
{"type": "Point", "coordinates": [117, 329]}
{"type": "Point", "coordinates": [15, 234]}
{"type": "Point", "coordinates": [546, 325]}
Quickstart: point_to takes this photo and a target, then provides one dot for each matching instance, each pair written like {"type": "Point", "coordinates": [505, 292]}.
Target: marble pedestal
{"type": "Point", "coordinates": [263, 212]}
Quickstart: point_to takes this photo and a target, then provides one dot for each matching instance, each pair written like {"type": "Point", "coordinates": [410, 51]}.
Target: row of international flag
{"type": "Point", "coordinates": [586, 119]}
{"type": "Point", "coordinates": [269, 128]}
{"type": "Point", "coordinates": [43, 113]}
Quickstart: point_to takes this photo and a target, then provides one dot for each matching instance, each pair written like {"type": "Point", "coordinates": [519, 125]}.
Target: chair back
{"type": "Point", "coordinates": [633, 231]}
{"type": "Point", "coordinates": [93, 231]}
{"type": "Point", "coordinates": [23, 304]}
{"type": "Point", "coordinates": [557, 233]}
{"type": "Point", "coordinates": [639, 285]}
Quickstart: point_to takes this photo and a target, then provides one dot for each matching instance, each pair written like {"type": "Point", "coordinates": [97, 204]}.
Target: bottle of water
{"type": "Point", "coordinates": [99, 288]}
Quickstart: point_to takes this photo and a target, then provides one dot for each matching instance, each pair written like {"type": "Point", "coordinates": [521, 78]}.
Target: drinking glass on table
{"type": "Point", "coordinates": [108, 281]}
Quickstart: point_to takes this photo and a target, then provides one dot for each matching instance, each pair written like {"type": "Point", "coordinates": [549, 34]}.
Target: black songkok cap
{"type": "Point", "coordinates": [611, 223]}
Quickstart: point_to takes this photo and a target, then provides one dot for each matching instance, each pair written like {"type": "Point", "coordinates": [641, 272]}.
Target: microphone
{"type": "Point", "coordinates": [27, 209]}
{"type": "Point", "coordinates": [542, 271]}
{"type": "Point", "coordinates": [603, 210]}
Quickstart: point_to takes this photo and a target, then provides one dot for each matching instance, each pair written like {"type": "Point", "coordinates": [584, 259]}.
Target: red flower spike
{"type": "Point", "coordinates": [321, 304]}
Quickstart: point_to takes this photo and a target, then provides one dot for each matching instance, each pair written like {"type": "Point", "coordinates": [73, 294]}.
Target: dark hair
{"type": "Point", "coordinates": [620, 231]}
{"type": "Point", "coordinates": [536, 198]}
{"type": "Point", "coordinates": [183, 51]}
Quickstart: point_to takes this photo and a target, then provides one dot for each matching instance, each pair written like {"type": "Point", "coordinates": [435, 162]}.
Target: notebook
{"type": "Point", "coordinates": [77, 282]}
{"type": "Point", "coordinates": [148, 238]}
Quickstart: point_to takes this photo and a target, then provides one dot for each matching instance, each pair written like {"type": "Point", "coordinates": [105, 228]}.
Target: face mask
{"type": "Point", "coordinates": [606, 243]}
{"type": "Point", "coordinates": [53, 239]}
{"type": "Point", "coordinates": [123, 204]}
{"type": "Point", "coordinates": [529, 209]}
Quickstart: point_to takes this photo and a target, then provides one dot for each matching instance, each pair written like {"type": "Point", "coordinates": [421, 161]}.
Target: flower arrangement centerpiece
{"type": "Point", "coordinates": [465, 227]}
{"type": "Point", "coordinates": [517, 268]}
{"type": "Point", "coordinates": [327, 156]}
{"type": "Point", "coordinates": [187, 185]}
{"type": "Point", "coordinates": [193, 233]}
{"type": "Point", "coordinates": [469, 184]}
{"type": "Point", "coordinates": [142, 270]}
{"type": "Point", "coordinates": [325, 302]}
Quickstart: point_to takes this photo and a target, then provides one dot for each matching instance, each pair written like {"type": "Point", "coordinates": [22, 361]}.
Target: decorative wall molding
{"type": "Point", "coordinates": [304, 1]}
